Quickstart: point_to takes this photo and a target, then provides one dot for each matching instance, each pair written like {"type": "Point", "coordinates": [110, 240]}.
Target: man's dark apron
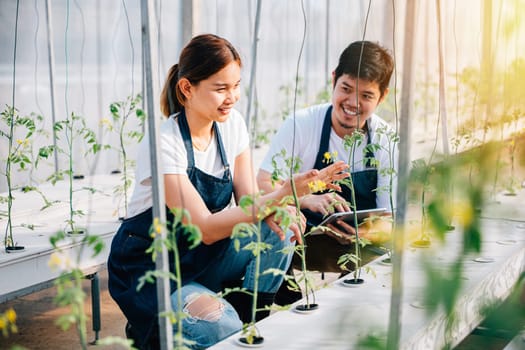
{"type": "Point", "coordinates": [365, 184]}
{"type": "Point", "coordinates": [128, 262]}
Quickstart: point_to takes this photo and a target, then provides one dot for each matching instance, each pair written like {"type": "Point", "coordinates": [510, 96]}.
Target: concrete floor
{"type": "Point", "coordinates": [37, 314]}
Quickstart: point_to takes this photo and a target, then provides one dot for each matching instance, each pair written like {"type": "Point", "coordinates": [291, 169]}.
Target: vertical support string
{"type": "Point", "coordinates": [327, 43]}
{"type": "Point", "coordinates": [51, 61]}
{"type": "Point", "coordinates": [442, 110]}
{"type": "Point", "coordinates": [254, 64]}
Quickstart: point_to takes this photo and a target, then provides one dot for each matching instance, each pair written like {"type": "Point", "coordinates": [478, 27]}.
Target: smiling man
{"type": "Point", "coordinates": [317, 134]}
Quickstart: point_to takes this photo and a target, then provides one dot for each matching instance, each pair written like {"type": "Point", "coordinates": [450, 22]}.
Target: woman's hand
{"type": "Point", "coordinates": [326, 203]}
{"type": "Point", "coordinates": [297, 227]}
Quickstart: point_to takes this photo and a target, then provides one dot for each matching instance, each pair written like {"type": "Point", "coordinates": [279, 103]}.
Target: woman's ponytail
{"type": "Point", "coordinates": [169, 98]}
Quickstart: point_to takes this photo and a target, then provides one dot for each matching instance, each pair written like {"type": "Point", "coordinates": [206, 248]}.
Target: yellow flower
{"type": "Point", "coordinates": [464, 212]}
{"type": "Point", "coordinates": [59, 261]}
{"type": "Point", "coordinates": [157, 227]}
{"type": "Point", "coordinates": [317, 186]}
{"type": "Point", "coordinates": [2, 323]}
{"type": "Point", "coordinates": [11, 315]}
{"type": "Point", "coordinates": [106, 122]}
{"type": "Point", "coordinates": [264, 212]}
{"type": "Point", "coordinates": [23, 143]}
{"type": "Point", "coordinates": [329, 157]}
{"type": "Point", "coordinates": [55, 261]}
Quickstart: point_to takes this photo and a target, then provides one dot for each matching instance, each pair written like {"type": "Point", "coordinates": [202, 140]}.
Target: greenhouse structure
{"type": "Point", "coordinates": [278, 174]}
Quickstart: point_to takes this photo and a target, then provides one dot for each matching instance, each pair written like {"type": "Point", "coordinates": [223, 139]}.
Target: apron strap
{"type": "Point", "coordinates": [186, 137]}
{"type": "Point", "coordinates": [325, 140]}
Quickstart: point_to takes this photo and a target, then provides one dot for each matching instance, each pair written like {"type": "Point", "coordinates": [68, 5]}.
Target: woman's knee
{"type": "Point", "coordinates": [208, 319]}
{"type": "Point", "coordinates": [203, 306]}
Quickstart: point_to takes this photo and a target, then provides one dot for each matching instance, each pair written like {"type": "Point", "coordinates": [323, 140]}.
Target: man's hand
{"type": "Point", "coordinates": [376, 229]}
{"type": "Point", "coordinates": [326, 203]}
{"type": "Point", "coordinates": [341, 231]}
{"type": "Point", "coordinates": [314, 180]}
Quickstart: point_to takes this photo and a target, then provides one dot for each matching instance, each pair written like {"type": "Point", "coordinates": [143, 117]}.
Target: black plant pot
{"type": "Point", "coordinates": [306, 308]}
{"type": "Point", "coordinates": [15, 249]}
{"type": "Point", "coordinates": [76, 232]}
{"type": "Point", "coordinates": [353, 282]}
{"type": "Point", "coordinates": [257, 341]}
{"type": "Point", "coordinates": [386, 261]}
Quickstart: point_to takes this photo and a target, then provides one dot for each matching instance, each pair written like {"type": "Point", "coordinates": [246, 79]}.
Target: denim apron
{"type": "Point", "coordinates": [128, 261]}
{"type": "Point", "coordinates": [365, 181]}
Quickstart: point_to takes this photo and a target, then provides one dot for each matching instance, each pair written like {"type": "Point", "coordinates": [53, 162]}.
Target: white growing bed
{"type": "Point", "coordinates": [347, 314]}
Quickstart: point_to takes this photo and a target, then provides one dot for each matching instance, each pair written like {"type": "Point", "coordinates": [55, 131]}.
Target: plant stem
{"type": "Point", "coordinates": [70, 173]}
{"type": "Point", "coordinates": [9, 228]}
{"type": "Point", "coordinates": [303, 252]}
{"type": "Point", "coordinates": [357, 271]}
{"type": "Point", "coordinates": [423, 211]}
{"type": "Point", "coordinates": [391, 150]}
{"type": "Point", "coordinates": [124, 159]}
{"type": "Point", "coordinates": [257, 267]}
{"type": "Point", "coordinates": [178, 274]}
{"type": "Point", "coordinates": [81, 315]}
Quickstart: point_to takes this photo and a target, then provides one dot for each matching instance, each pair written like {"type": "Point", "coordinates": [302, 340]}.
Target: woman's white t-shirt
{"type": "Point", "coordinates": [173, 156]}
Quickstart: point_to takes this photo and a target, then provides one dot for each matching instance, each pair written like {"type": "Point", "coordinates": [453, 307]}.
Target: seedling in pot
{"type": "Point", "coordinates": [72, 128]}
{"type": "Point", "coordinates": [251, 336]}
{"type": "Point", "coordinates": [292, 165]}
{"type": "Point", "coordinates": [19, 154]}
{"type": "Point", "coordinates": [420, 175]}
{"type": "Point", "coordinates": [351, 143]}
{"type": "Point", "coordinates": [121, 113]}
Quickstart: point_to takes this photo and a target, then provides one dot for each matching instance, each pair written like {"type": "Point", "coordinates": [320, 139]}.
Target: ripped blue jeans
{"type": "Point", "coordinates": [210, 319]}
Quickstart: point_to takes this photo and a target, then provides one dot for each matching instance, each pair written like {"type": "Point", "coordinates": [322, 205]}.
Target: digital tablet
{"type": "Point", "coordinates": [348, 217]}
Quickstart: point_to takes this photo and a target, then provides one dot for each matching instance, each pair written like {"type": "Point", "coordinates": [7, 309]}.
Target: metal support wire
{"type": "Point", "coordinates": [51, 60]}
{"type": "Point", "coordinates": [161, 263]}
{"type": "Point", "coordinates": [442, 92]}
{"type": "Point", "coordinates": [394, 323]}
{"type": "Point", "coordinates": [327, 43]}
{"type": "Point", "coordinates": [254, 63]}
